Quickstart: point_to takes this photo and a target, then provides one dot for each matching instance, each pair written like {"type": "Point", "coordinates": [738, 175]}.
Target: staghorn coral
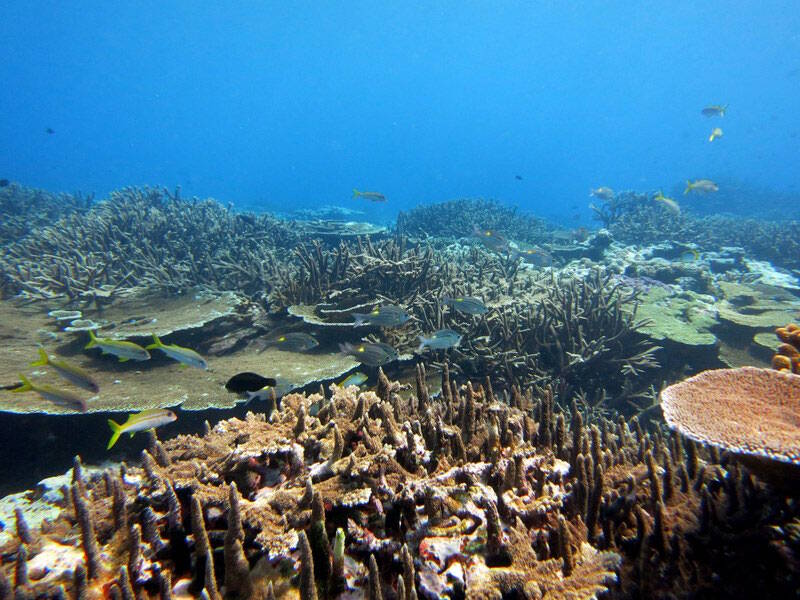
{"type": "Point", "coordinates": [578, 510]}
{"type": "Point", "coordinates": [24, 209]}
{"type": "Point", "coordinates": [633, 218]}
{"type": "Point", "coordinates": [146, 238]}
{"type": "Point", "coordinates": [456, 218]}
{"type": "Point", "coordinates": [578, 334]}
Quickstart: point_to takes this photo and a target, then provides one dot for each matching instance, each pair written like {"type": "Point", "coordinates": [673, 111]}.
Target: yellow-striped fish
{"type": "Point", "coordinates": [716, 133]}
{"type": "Point", "coordinates": [372, 196]}
{"type": "Point", "coordinates": [52, 394]}
{"type": "Point", "coordinates": [667, 203]}
{"type": "Point", "coordinates": [147, 419]}
{"type": "Point", "coordinates": [72, 373]}
{"type": "Point", "coordinates": [123, 350]}
{"type": "Point", "coordinates": [185, 356]}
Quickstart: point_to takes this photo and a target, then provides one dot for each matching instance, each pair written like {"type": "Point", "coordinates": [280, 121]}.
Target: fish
{"type": "Point", "coordinates": [714, 110]}
{"type": "Point", "coordinates": [534, 256]}
{"type": "Point", "coordinates": [72, 373]}
{"type": "Point", "coordinates": [689, 255]}
{"type": "Point", "coordinates": [518, 177]}
{"type": "Point", "coordinates": [294, 342]}
{"type": "Point", "coordinates": [4, 182]}
{"type": "Point", "coordinates": [65, 315]}
{"type": "Point", "coordinates": [372, 196]}
{"type": "Point", "coordinates": [147, 419]}
{"type": "Point", "coordinates": [667, 203]}
{"type": "Point", "coordinates": [606, 193]}
{"type": "Point", "coordinates": [466, 304]}
{"type": "Point", "coordinates": [715, 133]}
{"type": "Point", "coordinates": [369, 353]}
{"type": "Point", "coordinates": [388, 315]}
{"type": "Point", "coordinates": [185, 356]}
{"type": "Point", "coordinates": [56, 396]}
{"type": "Point", "coordinates": [443, 339]}
{"type": "Point", "coordinates": [49, 131]}
{"type": "Point", "coordinates": [123, 350]}
{"type": "Point", "coordinates": [279, 390]}
{"type": "Point", "coordinates": [242, 383]}
{"type": "Point", "coordinates": [356, 379]}
{"type": "Point", "coordinates": [490, 238]}
{"type": "Point", "coordinates": [701, 185]}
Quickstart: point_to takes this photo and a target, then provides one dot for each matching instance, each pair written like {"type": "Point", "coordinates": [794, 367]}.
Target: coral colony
{"type": "Point", "coordinates": [503, 434]}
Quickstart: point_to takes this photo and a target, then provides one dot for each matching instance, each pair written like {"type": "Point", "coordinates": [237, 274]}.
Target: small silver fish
{"type": "Point", "coordinates": [371, 354]}
{"type": "Point", "coordinates": [388, 315]}
{"type": "Point", "coordinates": [442, 339]}
{"type": "Point", "coordinates": [466, 304]}
{"type": "Point", "coordinates": [534, 256]}
{"type": "Point", "coordinates": [294, 342]}
{"type": "Point", "coordinates": [604, 193]}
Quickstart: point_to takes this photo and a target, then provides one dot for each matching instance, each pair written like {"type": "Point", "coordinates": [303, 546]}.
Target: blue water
{"type": "Point", "coordinates": [284, 105]}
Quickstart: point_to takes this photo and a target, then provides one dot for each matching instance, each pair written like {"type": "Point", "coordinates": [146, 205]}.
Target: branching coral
{"type": "Point", "coordinates": [146, 238]}
{"type": "Point", "coordinates": [377, 487]}
{"type": "Point", "coordinates": [456, 218]}
{"type": "Point", "coordinates": [579, 335]}
{"type": "Point", "coordinates": [25, 209]}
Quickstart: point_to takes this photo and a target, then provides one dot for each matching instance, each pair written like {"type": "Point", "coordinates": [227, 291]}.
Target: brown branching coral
{"type": "Point", "coordinates": [525, 508]}
{"type": "Point", "coordinates": [24, 209]}
{"type": "Point", "coordinates": [456, 218]}
{"type": "Point", "coordinates": [579, 335]}
{"type": "Point", "coordinates": [146, 238]}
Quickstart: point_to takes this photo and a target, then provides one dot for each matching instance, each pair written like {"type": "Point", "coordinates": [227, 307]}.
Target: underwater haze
{"type": "Point", "coordinates": [277, 105]}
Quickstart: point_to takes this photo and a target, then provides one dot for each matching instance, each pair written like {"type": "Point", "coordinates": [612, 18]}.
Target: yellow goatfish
{"type": "Point", "coordinates": [72, 373]}
{"type": "Point", "coordinates": [667, 203]}
{"type": "Point", "coordinates": [185, 356]}
{"type": "Point", "coordinates": [123, 350]}
{"type": "Point", "coordinates": [373, 196]}
{"type": "Point", "coordinates": [701, 185]}
{"type": "Point", "coordinates": [714, 110]}
{"type": "Point", "coordinates": [716, 133]}
{"type": "Point", "coordinates": [54, 395]}
{"type": "Point", "coordinates": [147, 419]}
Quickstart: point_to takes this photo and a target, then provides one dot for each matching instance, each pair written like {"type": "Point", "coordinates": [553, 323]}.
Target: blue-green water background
{"type": "Point", "coordinates": [289, 105]}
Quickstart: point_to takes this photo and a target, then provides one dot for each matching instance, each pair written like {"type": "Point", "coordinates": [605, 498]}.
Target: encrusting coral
{"type": "Point", "coordinates": [458, 495]}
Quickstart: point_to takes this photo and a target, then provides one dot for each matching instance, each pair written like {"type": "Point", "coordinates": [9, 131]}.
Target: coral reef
{"type": "Point", "coordinates": [456, 218]}
{"type": "Point", "coordinates": [25, 209]}
{"type": "Point", "coordinates": [146, 238]}
{"type": "Point", "coordinates": [787, 356]}
{"type": "Point", "coordinates": [456, 496]}
{"type": "Point", "coordinates": [634, 218]}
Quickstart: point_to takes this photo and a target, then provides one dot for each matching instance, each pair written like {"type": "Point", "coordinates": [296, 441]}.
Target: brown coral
{"type": "Point", "coordinates": [787, 357]}
{"type": "Point", "coordinates": [401, 492]}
